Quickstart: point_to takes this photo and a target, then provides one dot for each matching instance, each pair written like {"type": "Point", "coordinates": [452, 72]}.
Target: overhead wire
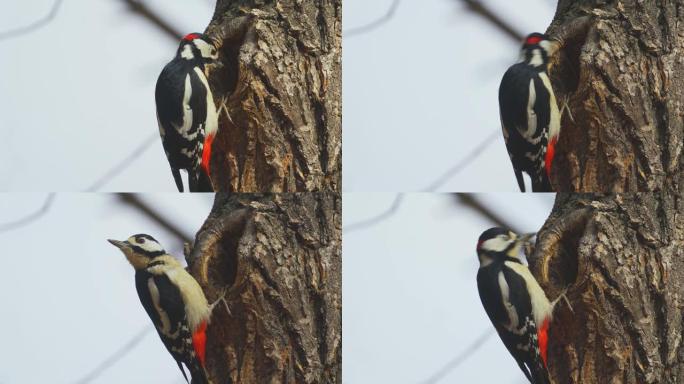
{"type": "Point", "coordinates": [23, 30]}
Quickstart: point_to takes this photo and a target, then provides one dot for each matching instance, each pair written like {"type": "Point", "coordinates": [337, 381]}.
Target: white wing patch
{"type": "Point", "coordinates": [531, 115]}
{"type": "Point", "coordinates": [554, 124]}
{"type": "Point", "coordinates": [541, 307]}
{"type": "Point", "coordinates": [510, 309]}
{"type": "Point", "coordinates": [197, 308]}
{"type": "Point", "coordinates": [212, 115]}
{"type": "Point", "coordinates": [187, 111]}
{"type": "Point", "coordinates": [163, 316]}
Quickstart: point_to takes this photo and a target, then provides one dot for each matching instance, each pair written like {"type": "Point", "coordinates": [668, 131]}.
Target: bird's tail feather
{"type": "Point", "coordinates": [177, 178]}
{"type": "Point", "coordinates": [199, 375]}
{"type": "Point", "coordinates": [203, 182]}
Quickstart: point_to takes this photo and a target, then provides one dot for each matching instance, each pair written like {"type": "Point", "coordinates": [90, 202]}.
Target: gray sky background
{"type": "Point", "coordinates": [410, 296]}
{"type": "Point", "coordinates": [77, 97]}
{"type": "Point", "coordinates": [78, 94]}
{"type": "Point", "coordinates": [69, 296]}
{"type": "Point", "coordinates": [420, 92]}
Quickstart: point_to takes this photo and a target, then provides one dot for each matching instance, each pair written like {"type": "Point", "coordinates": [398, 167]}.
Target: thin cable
{"type": "Point", "coordinates": [474, 154]}
{"type": "Point", "coordinates": [398, 200]}
{"type": "Point", "coordinates": [33, 26]}
{"type": "Point", "coordinates": [460, 358]}
{"type": "Point", "coordinates": [124, 163]}
{"type": "Point", "coordinates": [373, 24]}
{"type": "Point", "coordinates": [31, 217]}
{"type": "Point", "coordinates": [116, 356]}
{"type": "Point", "coordinates": [363, 224]}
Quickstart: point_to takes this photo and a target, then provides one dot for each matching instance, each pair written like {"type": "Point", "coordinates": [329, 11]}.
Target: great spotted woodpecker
{"type": "Point", "coordinates": [173, 300]}
{"type": "Point", "coordinates": [515, 303]}
{"type": "Point", "coordinates": [186, 112]}
{"type": "Point", "coordinates": [530, 118]}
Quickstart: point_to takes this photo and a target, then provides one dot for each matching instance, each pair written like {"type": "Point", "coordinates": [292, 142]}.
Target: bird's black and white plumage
{"type": "Point", "coordinates": [173, 300]}
{"type": "Point", "coordinates": [186, 112]}
{"type": "Point", "coordinates": [515, 303]}
{"type": "Point", "coordinates": [530, 118]}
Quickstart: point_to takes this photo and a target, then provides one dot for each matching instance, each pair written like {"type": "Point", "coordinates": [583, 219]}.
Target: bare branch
{"type": "Point", "coordinates": [470, 201]}
{"type": "Point", "coordinates": [143, 10]}
{"type": "Point", "coordinates": [134, 201]}
{"type": "Point", "coordinates": [476, 6]}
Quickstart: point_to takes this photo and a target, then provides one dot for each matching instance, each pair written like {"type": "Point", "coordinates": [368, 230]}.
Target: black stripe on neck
{"type": "Point", "coordinates": [512, 259]}
{"type": "Point", "coordinates": [155, 263]}
{"type": "Point", "coordinates": [147, 253]}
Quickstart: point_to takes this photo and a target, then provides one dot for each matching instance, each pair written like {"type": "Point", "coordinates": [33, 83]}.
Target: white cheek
{"type": "Point", "coordinates": [187, 53]}
{"type": "Point", "coordinates": [496, 244]}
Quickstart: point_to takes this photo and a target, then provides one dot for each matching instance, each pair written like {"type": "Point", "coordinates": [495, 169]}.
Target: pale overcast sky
{"type": "Point", "coordinates": [420, 92]}
{"type": "Point", "coordinates": [69, 295]}
{"type": "Point", "coordinates": [78, 94]}
{"type": "Point", "coordinates": [410, 296]}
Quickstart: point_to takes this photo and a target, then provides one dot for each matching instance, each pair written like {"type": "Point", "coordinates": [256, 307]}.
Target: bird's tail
{"type": "Point", "coordinates": [519, 177]}
{"type": "Point", "coordinates": [203, 182]}
{"type": "Point", "coordinates": [199, 375]}
{"type": "Point", "coordinates": [538, 367]}
{"type": "Point", "coordinates": [541, 183]}
{"type": "Point", "coordinates": [177, 178]}
{"type": "Point", "coordinates": [199, 181]}
{"type": "Point", "coordinates": [539, 375]}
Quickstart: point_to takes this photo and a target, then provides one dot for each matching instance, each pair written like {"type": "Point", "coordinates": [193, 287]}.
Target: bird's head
{"type": "Point", "coordinates": [199, 47]}
{"type": "Point", "coordinates": [139, 249]}
{"type": "Point", "coordinates": [498, 244]}
{"type": "Point", "coordinates": [538, 48]}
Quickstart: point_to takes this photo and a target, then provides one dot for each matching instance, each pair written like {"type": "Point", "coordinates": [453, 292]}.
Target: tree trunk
{"type": "Point", "coordinates": [620, 257]}
{"type": "Point", "coordinates": [280, 79]}
{"type": "Point", "coordinates": [624, 80]}
{"type": "Point", "coordinates": [280, 256]}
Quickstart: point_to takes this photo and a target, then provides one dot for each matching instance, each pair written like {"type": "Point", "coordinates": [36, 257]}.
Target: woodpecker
{"type": "Point", "coordinates": [530, 118]}
{"type": "Point", "coordinates": [186, 112]}
{"type": "Point", "coordinates": [515, 303]}
{"type": "Point", "coordinates": [173, 300]}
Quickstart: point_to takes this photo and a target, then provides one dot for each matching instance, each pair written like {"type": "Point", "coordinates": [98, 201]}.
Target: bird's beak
{"type": "Point", "coordinates": [117, 243]}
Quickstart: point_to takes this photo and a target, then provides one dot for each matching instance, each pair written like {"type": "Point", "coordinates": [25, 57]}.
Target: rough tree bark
{"type": "Point", "coordinates": [620, 256]}
{"type": "Point", "coordinates": [280, 256]}
{"type": "Point", "coordinates": [624, 80]}
{"type": "Point", "coordinates": [280, 79]}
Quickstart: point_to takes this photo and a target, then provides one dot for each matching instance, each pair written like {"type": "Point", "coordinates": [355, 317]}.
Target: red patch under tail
{"type": "Point", "coordinates": [550, 152]}
{"type": "Point", "coordinates": [199, 341]}
{"type": "Point", "coordinates": [543, 339]}
{"type": "Point", "coordinates": [206, 153]}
